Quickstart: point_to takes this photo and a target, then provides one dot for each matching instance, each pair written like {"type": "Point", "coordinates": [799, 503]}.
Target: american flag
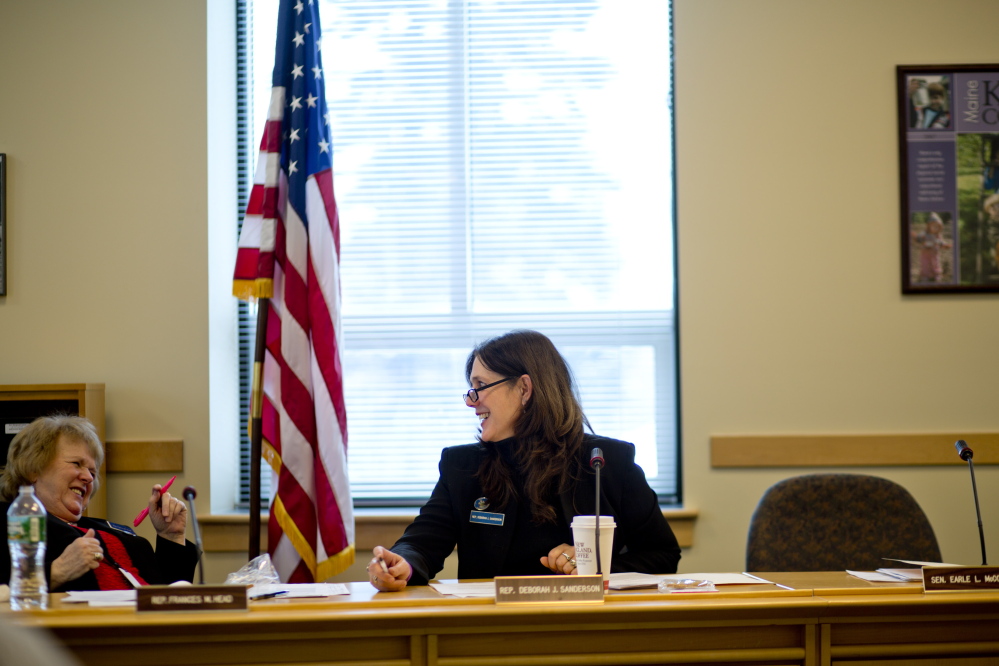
{"type": "Point", "coordinates": [289, 251]}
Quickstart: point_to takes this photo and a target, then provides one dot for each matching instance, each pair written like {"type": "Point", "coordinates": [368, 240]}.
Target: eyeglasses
{"type": "Point", "coordinates": [472, 396]}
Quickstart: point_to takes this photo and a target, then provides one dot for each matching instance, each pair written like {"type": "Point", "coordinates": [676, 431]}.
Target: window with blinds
{"type": "Point", "coordinates": [497, 165]}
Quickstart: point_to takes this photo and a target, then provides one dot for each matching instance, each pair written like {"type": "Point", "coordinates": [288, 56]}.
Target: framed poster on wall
{"type": "Point", "coordinates": [948, 128]}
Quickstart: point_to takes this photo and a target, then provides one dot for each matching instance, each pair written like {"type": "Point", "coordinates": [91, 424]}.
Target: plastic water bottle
{"type": "Point", "coordinates": [26, 540]}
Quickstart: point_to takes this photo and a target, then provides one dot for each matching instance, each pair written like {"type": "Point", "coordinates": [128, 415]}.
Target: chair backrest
{"type": "Point", "coordinates": [832, 522]}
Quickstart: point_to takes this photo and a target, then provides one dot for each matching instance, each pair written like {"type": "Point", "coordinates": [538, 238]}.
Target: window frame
{"type": "Point", "coordinates": [465, 328]}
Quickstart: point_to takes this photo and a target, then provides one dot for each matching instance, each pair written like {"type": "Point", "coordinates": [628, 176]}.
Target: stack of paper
{"type": "Point", "coordinates": [890, 575]}
{"type": "Point", "coordinates": [906, 575]}
{"type": "Point", "coordinates": [298, 590]}
{"type": "Point", "coordinates": [634, 581]}
{"type": "Point", "coordinates": [466, 590]}
{"type": "Point", "coordinates": [101, 597]}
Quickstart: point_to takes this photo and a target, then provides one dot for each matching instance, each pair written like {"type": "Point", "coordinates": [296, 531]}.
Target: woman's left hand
{"type": "Point", "coordinates": [561, 559]}
{"type": "Point", "coordinates": [169, 515]}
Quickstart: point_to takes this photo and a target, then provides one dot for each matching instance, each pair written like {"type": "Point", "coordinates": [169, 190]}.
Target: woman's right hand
{"type": "Point", "coordinates": [561, 559]}
{"type": "Point", "coordinates": [83, 555]}
{"type": "Point", "coordinates": [398, 574]}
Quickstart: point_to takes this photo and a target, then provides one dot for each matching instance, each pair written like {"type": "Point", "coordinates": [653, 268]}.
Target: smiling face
{"type": "Point", "coordinates": [65, 486]}
{"type": "Point", "coordinates": [498, 407]}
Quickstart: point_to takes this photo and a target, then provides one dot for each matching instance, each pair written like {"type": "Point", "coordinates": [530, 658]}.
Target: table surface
{"type": "Point", "coordinates": [789, 590]}
{"type": "Point", "coordinates": [804, 618]}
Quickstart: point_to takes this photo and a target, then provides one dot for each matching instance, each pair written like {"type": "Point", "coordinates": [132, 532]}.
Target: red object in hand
{"type": "Point", "coordinates": [145, 512]}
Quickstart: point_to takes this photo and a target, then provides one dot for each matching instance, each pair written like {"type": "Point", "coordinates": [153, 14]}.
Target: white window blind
{"type": "Point", "coordinates": [497, 165]}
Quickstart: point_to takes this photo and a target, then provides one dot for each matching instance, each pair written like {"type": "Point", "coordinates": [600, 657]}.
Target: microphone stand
{"type": "Point", "coordinates": [967, 454]}
{"type": "Point", "coordinates": [597, 462]}
{"type": "Point", "coordinates": [596, 530]}
{"type": "Point", "coordinates": [189, 494]}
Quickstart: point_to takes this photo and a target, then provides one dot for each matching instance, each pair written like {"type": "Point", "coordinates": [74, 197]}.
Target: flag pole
{"type": "Point", "coordinates": [292, 197]}
{"type": "Point", "coordinates": [256, 437]}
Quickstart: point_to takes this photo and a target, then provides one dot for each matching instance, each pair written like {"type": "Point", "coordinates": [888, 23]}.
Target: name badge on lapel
{"type": "Point", "coordinates": [488, 518]}
{"type": "Point", "coordinates": [483, 517]}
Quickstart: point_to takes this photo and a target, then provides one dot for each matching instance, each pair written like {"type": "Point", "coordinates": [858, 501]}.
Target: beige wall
{"type": "Point", "coordinates": [790, 308]}
{"type": "Point", "coordinates": [103, 119]}
{"type": "Point", "coordinates": [791, 317]}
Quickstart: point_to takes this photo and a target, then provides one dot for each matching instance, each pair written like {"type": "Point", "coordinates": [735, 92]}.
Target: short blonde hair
{"type": "Point", "coordinates": [34, 448]}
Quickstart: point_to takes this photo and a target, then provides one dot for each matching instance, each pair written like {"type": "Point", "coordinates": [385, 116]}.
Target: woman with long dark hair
{"type": "Point", "coordinates": [507, 502]}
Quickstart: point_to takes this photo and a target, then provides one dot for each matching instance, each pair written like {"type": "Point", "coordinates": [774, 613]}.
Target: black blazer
{"type": "Point", "coordinates": [169, 563]}
{"type": "Point", "coordinates": [643, 540]}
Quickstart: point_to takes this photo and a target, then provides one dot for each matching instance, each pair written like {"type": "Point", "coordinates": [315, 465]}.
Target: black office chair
{"type": "Point", "coordinates": [833, 522]}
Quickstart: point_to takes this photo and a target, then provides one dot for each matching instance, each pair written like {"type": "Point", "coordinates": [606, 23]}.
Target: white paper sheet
{"type": "Point", "coordinates": [101, 597]}
{"type": "Point", "coordinates": [917, 563]}
{"type": "Point", "coordinates": [634, 581]}
{"type": "Point", "coordinates": [875, 577]}
{"type": "Point", "coordinates": [299, 590]}
{"type": "Point", "coordinates": [904, 575]}
{"type": "Point", "coordinates": [466, 589]}
{"type": "Point", "coordinates": [890, 575]}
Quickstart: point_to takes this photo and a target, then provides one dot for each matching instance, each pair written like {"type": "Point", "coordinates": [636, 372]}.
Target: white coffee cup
{"type": "Point", "coordinates": [583, 534]}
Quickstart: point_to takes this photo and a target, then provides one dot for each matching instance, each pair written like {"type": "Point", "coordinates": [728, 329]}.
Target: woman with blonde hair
{"type": "Point", "coordinates": [60, 456]}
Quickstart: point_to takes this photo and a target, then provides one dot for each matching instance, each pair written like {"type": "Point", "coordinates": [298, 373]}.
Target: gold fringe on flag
{"type": "Point", "coordinates": [247, 290]}
{"type": "Point", "coordinates": [331, 566]}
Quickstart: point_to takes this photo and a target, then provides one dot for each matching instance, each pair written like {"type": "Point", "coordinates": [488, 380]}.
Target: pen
{"type": "Point", "coordinates": [384, 566]}
{"type": "Point", "coordinates": [269, 595]}
{"type": "Point", "coordinates": [145, 512]}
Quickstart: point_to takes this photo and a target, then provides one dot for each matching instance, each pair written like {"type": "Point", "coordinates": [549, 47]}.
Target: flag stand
{"type": "Point", "coordinates": [256, 437]}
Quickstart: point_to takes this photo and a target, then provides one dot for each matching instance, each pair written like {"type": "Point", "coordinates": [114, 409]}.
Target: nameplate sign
{"type": "Point", "coordinates": [960, 579]}
{"type": "Point", "coordinates": [549, 589]}
{"type": "Point", "coordinates": [190, 597]}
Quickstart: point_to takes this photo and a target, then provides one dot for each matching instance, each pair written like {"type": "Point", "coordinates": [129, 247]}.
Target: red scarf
{"type": "Point", "coordinates": [109, 576]}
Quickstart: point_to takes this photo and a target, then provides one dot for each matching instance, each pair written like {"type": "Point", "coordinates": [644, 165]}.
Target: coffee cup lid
{"type": "Point", "coordinates": [590, 521]}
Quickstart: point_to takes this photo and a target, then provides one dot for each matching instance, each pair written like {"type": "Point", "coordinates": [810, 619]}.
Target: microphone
{"type": "Point", "coordinates": [597, 462]}
{"type": "Point", "coordinates": [189, 494]}
{"type": "Point", "coordinates": [963, 450]}
{"type": "Point", "coordinates": [967, 454]}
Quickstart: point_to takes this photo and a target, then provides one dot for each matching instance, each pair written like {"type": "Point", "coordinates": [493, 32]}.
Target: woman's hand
{"type": "Point", "coordinates": [398, 574]}
{"type": "Point", "coordinates": [83, 555]}
{"type": "Point", "coordinates": [169, 515]}
{"type": "Point", "coordinates": [561, 559]}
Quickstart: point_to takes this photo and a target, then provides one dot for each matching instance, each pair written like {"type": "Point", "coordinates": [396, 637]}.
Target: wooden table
{"type": "Point", "coordinates": [814, 619]}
